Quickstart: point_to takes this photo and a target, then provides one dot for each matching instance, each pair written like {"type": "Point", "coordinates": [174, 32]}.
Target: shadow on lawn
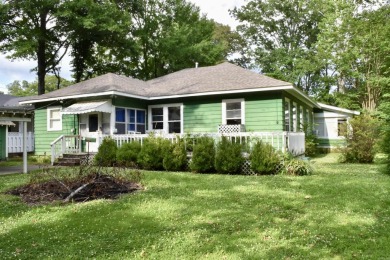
{"type": "Point", "coordinates": [193, 216]}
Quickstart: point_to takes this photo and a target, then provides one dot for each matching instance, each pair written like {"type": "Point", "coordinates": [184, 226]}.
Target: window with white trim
{"type": "Point", "coordinates": [129, 120]}
{"type": "Point", "coordinates": [54, 119]}
{"type": "Point", "coordinates": [166, 118]}
{"type": "Point", "coordinates": [233, 111]}
{"type": "Point", "coordinates": [294, 117]}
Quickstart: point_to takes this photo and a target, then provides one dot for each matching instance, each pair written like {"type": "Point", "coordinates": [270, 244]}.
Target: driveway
{"type": "Point", "coordinates": [4, 170]}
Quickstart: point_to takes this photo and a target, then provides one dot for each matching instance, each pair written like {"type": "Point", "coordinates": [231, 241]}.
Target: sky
{"type": "Point", "coordinates": [218, 10]}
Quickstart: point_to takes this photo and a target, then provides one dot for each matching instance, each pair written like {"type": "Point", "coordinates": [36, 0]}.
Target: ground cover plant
{"type": "Point", "coordinates": [342, 211]}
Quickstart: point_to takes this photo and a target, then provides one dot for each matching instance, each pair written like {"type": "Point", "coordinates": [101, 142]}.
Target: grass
{"type": "Point", "coordinates": [18, 161]}
{"type": "Point", "coordinates": [340, 212]}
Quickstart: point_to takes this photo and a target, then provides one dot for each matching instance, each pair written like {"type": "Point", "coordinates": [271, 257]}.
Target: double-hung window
{"type": "Point", "coordinates": [287, 120]}
{"type": "Point", "coordinates": [166, 118]}
{"type": "Point", "coordinates": [233, 111]}
{"type": "Point", "coordinates": [54, 119]}
{"type": "Point", "coordinates": [129, 120]}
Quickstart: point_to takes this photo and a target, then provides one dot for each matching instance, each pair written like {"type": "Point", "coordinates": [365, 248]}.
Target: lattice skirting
{"type": "Point", "coordinates": [226, 129]}
{"type": "Point", "coordinates": [88, 159]}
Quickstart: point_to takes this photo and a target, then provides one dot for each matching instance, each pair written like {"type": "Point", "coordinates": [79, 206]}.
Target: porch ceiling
{"type": "Point", "coordinates": [88, 107]}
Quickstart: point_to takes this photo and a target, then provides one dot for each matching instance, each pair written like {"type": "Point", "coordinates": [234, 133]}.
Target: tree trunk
{"type": "Point", "coordinates": [41, 54]}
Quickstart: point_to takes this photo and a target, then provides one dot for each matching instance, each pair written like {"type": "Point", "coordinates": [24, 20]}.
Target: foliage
{"type": "Point", "coordinates": [106, 155]}
{"type": "Point", "coordinates": [297, 167]}
{"type": "Point", "coordinates": [281, 37]}
{"type": "Point", "coordinates": [127, 154]}
{"type": "Point", "coordinates": [25, 88]}
{"type": "Point", "coordinates": [228, 157]}
{"type": "Point", "coordinates": [176, 157]}
{"type": "Point", "coordinates": [152, 153]}
{"type": "Point", "coordinates": [203, 155]}
{"type": "Point", "coordinates": [311, 140]}
{"type": "Point", "coordinates": [361, 136]}
{"type": "Point", "coordinates": [264, 159]}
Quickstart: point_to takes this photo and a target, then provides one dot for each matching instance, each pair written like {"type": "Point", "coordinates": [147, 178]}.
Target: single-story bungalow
{"type": "Point", "coordinates": [221, 99]}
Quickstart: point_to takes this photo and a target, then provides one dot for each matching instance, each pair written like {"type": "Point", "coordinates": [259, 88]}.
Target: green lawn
{"type": "Point", "coordinates": [340, 212]}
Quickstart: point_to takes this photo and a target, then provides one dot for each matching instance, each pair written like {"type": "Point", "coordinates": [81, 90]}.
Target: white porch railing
{"type": "Point", "coordinates": [15, 142]}
{"type": "Point", "coordinates": [65, 144]}
{"type": "Point", "coordinates": [281, 141]}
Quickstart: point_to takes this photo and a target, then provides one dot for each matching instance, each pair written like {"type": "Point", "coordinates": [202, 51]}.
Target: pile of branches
{"type": "Point", "coordinates": [85, 188]}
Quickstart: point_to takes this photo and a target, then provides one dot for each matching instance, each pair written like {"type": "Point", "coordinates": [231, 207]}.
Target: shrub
{"type": "Point", "coordinates": [297, 167]}
{"type": "Point", "coordinates": [228, 157]}
{"type": "Point", "coordinates": [203, 155]}
{"type": "Point", "coordinates": [152, 153]}
{"type": "Point", "coordinates": [127, 154]}
{"type": "Point", "coordinates": [311, 141]}
{"type": "Point", "coordinates": [106, 155]}
{"type": "Point", "coordinates": [360, 137]}
{"type": "Point", "coordinates": [264, 159]}
{"type": "Point", "coordinates": [176, 157]}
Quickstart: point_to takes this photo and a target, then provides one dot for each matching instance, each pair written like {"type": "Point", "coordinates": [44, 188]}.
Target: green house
{"type": "Point", "coordinates": [224, 100]}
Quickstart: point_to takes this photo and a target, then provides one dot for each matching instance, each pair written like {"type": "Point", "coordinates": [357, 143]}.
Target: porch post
{"type": "Point", "coordinates": [24, 147]}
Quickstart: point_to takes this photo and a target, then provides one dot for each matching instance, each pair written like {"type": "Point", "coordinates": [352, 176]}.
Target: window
{"type": "Point", "coordinates": [167, 118]}
{"type": "Point", "coordinates": [233, 111]}
{"type": "Point", "coordinates": [287, 115]}
{"type": "Point", "coordinates": [294, 117]}
{"type": "Point", "coordinates": [341, 126]}
{"type": "Point", "coordinates": [301, 123]}
{"type": "Point", "coordinates": [93, 122]}
{"type": "Point", "coordinates": [129, 120]}
{"type": "Point", "coordinates": [54, 119]}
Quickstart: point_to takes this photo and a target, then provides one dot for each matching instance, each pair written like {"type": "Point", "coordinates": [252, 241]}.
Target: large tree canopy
{"type": "Point", "coordinates": [140, 38]}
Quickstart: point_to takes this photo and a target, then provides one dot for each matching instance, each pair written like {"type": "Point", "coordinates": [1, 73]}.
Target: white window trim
{"type": "Point", "coordinates": [294, 116]}
{"type": "Point", "coordinates": [49, 109]}
{"type": "Point", "coordinates": [288, 102]}
{"type": "Point", "coordinates": [165, 116]}
{"type": "Point", "coordinates": [224, 101]}
{"type": "Point", "coordinates": [126, 117]}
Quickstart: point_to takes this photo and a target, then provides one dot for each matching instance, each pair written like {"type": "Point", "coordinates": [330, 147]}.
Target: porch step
{"type": "Point", "coordinates": [71, 159]}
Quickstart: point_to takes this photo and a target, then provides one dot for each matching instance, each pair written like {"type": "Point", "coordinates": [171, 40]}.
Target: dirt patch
{"type": "Point", "coordinates": [91, 187]}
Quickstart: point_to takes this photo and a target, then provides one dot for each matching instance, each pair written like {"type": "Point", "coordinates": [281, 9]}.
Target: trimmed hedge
{"type": "Point", "coordinates": [106, 155]}
{"type": "Point", "coordinates": [264, 159]}
{"type": "Point", "coordinates": [127, 154]}
{"type": "Point", "coordinates": [228, 157]}
{"type": "Point", "coordinates": [203, 155]}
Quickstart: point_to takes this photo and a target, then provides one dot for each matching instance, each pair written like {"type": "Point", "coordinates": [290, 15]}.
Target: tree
{"type": "Point", "coordinates": [94, 28]}
{"type": "Point", "coordinates": [356, 41]}
{"type": "Point", "coordinates": [28, 31]}
{"type": "Point", "coordinates": [281, 37]}
{"type": "Point", "coordinates": [25, 88]}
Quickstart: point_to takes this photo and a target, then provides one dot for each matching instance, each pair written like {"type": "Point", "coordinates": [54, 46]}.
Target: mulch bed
{"type": "Point", "coordinates": [91, 187]}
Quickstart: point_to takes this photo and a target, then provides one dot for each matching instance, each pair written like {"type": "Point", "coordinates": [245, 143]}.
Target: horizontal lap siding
{"type": "Point", "coordinates": [263, 114]}
{"type": "Point", "coordinates": [43, 138]}
{"type": "Point", "coordinates": [202, 116]}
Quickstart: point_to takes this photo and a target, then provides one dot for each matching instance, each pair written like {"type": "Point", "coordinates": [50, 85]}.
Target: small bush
{"type": "Point", "coordinates": [106, 155]}
{"type": "Point", "coordinates": [360, 138]}
{"type": "Point", "coordinates": [127, 154]}
{"type": "Point", "coordinates": [203, 155]}
{"type": "Point", "coordinates": [311, 141]}
{"type": "Point", "coordinates": [228, 157]}
{"type": "Point", "coordinates": [153, 152]}
{"type": "Point", "coordinates": [176, 158]}
{"type": "Point", "coordinates": [297, 167]}
{"type": "Point", "coordinates": [264, 159]}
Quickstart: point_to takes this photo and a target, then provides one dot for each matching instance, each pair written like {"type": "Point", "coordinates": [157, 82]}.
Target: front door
{"type": "Point", "coordinates": [90, 129]}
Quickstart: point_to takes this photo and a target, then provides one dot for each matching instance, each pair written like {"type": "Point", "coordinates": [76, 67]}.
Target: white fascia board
{"type": "Point", "coordinates": [304, 96]}
{"type": "Point", "coordinates": [16, 119]}
{"type": "Point", "coordinates": [338, 109]}
{"type": "Point", "coordinates": [107, 93]}
{"type": "Point", "coordinates": [224, 92]}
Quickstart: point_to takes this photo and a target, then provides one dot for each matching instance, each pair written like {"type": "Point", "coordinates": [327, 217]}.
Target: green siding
{"type": "Point", "coordinates": [263, 113]}
{"type": "Point", "coordinates": [2, 142]}
{"type": "Point", "coordinates": [43, 138]}
{"type": "Point", "coordinates": [202, 116]}
{"type": "Point", "coordinates": [129, 102]}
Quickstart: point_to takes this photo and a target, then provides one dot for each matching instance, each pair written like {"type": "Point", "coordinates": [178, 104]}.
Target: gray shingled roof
{"type": "Point", "coordinates": [11, 103]}
{"type": "Point", "coordinates": [222, 77]}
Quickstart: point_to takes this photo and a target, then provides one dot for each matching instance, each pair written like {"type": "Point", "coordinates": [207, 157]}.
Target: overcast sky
{"type": "Point", "coordinates": [20, 69]}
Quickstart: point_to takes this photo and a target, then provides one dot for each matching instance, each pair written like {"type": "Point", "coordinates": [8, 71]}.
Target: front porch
{"type": "Point", "coordinates": [281, 141]}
